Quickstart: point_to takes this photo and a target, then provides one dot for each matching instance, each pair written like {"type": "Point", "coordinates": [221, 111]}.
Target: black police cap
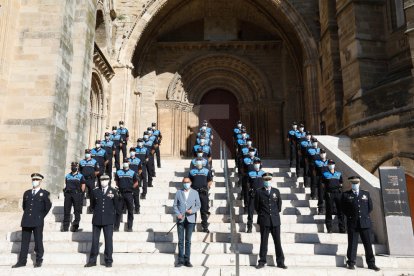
{"type": "Point", "coordinates": [249, 140]}
{"type": "Point", "coordinates": [331, 162]}
{"type": "Point", "coordinates": [146, 133]}
{"type": "Point", "coordinates": [322, 151]}
{"type": "Point", "coordinates": [294, 124]}
{"type": "Point", "coordinates": [314, 140]}
{"type": "Point", "coordinates": [107, 134]}
{"type": "Point", "coordinates": [257, 161]}
{"type": "Point", "coordinates": [131, 149]}
{"type": "Point", "coordinates": [97, 141]}
{"type": "Point", "coordinates": [74, 164]}
{"type": "Point", "coordinates": [121, 122]}
{"type": "Point", "coordinates": [239, 122]}
{"type": "Point", "coordinates": [87, 151]}
{"type": "Point", "coordinates": [154, 124]}
{"type": "Point", "coordinates": [149, 129]}
{"type": "Point", "coordinates": [36, 176]}
{"type": "Point", "coordinates": [126, 160]}
{"type": "Point", "coordinates": [267, 176]}
{"type": "Point", "coordinates": [301, 125]}
{"type": "Point", "coordinates": [308, 133]}
{"type": "Point", "coordinates": [200, 149]}
{"type": "Point", "coordinates": [243, 131]}
{"type": "Point", "coordinates": [140, 140]}
{"type": "Point", "coordinates": [252, 150]}
{"type": "Point", "coordinates": [354, 178]}
{"type": "Point", "coordinates": [114, 128]}
{"type": "Point", "coordinates": [105, 177]}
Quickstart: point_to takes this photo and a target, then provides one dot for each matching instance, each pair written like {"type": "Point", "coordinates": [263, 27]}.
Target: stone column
{"type": "Point", "coordinates": [409, 17]}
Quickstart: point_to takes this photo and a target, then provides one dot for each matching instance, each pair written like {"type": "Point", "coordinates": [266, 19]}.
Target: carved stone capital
{"type": "Point", "coordinates": [177, 105]}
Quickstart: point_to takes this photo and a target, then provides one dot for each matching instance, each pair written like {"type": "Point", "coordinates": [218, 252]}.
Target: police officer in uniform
{"type": "Point", "coordinates": [123, 131]}
{"type": "Point", "coordinates": [157, 133]}
{"type": "Point", "coordinates": [299, 136]}
{"type": "Point", "coordinates": [202, 180]}
{"type": "Point", "coordinates": [135, 165]}
{"type": "Point", "coordinates": [89, 168]}
{"type": "Point", "coordinates": [150, 145]}
{"type": "Point", "coordinates": [73, 192]}
{"type": "Point", "coordinates": [305, 144]}
{"type": "Point", "coordinates": [126, 180]}
{"type": "Point", "coordinates": [105, 204]}
{"type": "Point", "coordinates": [206, 151]}
{"type": "Point", "coordinates": [332, 184]}
{"type": "Point", "coordinates": [109, 146]}
{"type": "Point", "coordinates": [99, 154]}
{"type": "Point", "coordinates": [357, 205]}
{"type": "Point", "coordinates": [116, 138]}
{"type": "Point", "coordinates": [193, 162]}
{"type": "Point", "coordinates": [291, 138]}
{"type": "Point", "coordinates": [255, 183]}
{"type": "Point", "coordinates": [312, 155]}
{"type": "Point", "coordinates": [268, 205]}
{"type": "Point", "coordinates": [36, 205]}
{"type": "Point", "coordinates": [320, 167]}
{"type": "Point", "coordinates": [142, 153]}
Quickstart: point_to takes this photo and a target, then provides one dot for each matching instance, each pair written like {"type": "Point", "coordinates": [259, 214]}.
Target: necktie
{"type": "Point", "coordinates": [268, 191]}
{"type": "Point", "coordinates": [33, 192]}
{"type": "Point", "coordinates": [103, 190]}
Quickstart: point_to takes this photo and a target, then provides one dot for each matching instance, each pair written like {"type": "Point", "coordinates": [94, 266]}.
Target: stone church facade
{"type": "Point", "coordinates": [70, 70]}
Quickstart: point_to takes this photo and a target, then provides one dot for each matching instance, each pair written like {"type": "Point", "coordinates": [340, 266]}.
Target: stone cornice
{"type": "Point", "coordinates": [220, 45]}
{"type": "Point", "coordinates": [172, 104]}
{"type": "Point", "coordinates": [102, 64]}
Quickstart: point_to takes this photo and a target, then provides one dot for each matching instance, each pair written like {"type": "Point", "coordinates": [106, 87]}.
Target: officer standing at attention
{"type": "Point", "coordinates": [89, 168]}
{"type": "Point", "coordinates": [74, 188]}
{"type": "Point", "coordinates": [99, 154]}
{"type": "Point", "coordinates": [202, 181]}
{"type": "Point", "coordinates": [186, 205]}
{"type": "Point", "coordinates": [116, 138]}
{"type": "Point", "coordinates": [135, 165]}
{"type": "Point", "coordinates": [291, 138]}
{"type": "Point", "coordinates": [150, 145]}
{"type": "Point", "coordinates": [304, 146]}
{"type": "Point", "coordinates": [105, 205]}
{"type": "Point", "coordinates": [332, 183]}
{"type": "Point", "coordinates": [193, 162]}
{"type": "Point", "coordinates": [142, 153]}
{"type": "Point", "coordinates": [255, 184]}
{"type": "Point", "coordinates": [312, 155]}
{"type": "Point", "coordinates": [357, 206]}
{"type": "Point", "coordinates": [123, 131]}
{"type": "Point", "coordinates": [36, 205]}
{"type": "Point", "coordinates": [206, 151]}
{"type": "Point", "coordinates": [268, 204]}
{"type": "Point", "coordinates": [321, 166]}
{"type": "Point", "coordinates": [300, 135]}
{"type": "Point", "coordinates": [126, 180]}
{"type": "Point", "coordinates": [157, 133]}
{"type": "Point", "coordinates": [109, 146]}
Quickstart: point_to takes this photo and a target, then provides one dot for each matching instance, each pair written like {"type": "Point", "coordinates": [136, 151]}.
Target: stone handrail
{"type": "Point", "coordinates": [369, 182]}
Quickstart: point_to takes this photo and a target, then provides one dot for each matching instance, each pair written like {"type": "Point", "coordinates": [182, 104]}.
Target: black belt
{"type": "Point", "coordinates": [90, 177]}
{"type": "Point", "coordinates": [72, 191]}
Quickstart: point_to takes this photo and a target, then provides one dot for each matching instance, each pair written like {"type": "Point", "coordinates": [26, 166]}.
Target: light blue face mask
{"type": "Point", "coordinates": [186, 186]}
{"type": "Point", "coordinates": [267, 184]}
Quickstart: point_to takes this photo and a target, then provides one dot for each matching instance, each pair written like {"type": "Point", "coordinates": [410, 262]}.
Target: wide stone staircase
{"type": "Point", "coordinates": [149, 250]}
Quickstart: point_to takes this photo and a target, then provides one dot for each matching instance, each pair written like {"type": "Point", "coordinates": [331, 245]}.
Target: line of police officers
{"type": "Point", "coordinates": [326, 186]}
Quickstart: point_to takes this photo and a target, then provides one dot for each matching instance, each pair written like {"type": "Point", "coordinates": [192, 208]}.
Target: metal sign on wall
{"type": "Point", "coordinates": [396, 211]}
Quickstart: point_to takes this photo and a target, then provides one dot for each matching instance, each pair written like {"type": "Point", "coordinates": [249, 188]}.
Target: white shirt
{"type": "Point", "coordinates": [186, 193]}
{"type": "Point", "coordinates": [35, 190]}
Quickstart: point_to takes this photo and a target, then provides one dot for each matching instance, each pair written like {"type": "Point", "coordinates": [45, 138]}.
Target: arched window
{"type": "Point", "coordinates": [96, 113]}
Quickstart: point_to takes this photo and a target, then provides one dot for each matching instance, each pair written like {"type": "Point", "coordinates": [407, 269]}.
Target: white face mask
{"type": "Point", "coordinates": [256, 167]}
{"type": "Point", "coordinates": [308, 137]}
{"type": "Point", "coordinates": [125, 166]}
{"type": "Point", "coordinates": [113, 131]}
{"type": "Point", "coordinates": [121, 126]}
{"type": "Point", "coordinates": [150, 132]}
{"type": "Point", "coordinates": [153, 128]}
{"type": "Point", "coordinates": [251, 153]}
{"type": "Point", "coordinates": [199, 164]}
{"type": "Point", "coordinates": [323, 155]}
{"type": "Point", "coordinates": [199, 154]}
{"type": "Point", "coordinates": [35, 183]}
{"type": "Point", "coordinates": [204, 128]}
{"type": "Point", "coordinates": [301, 129]}
{"type": "Point", "coordinates": [146, 137]}
{"type": "Point", "coordinates": [202, 142]}
{"type": "Point", "coordinates": [315, 145]}
{"type": "Point", "coordinates": [295, 127]}
{"type": "Point", "coordinates": [104, 183]}
{"type": "Point", "coordinates": [331, 167]}
{"type": "Point", "coordinates": [249, 143]}
{"type": "Point", "coordinates": [355, 186]}
{"type": "Point", "coordinates": [244, 135]}
{"type": "Point", "coordinates": [140, 144]}
{"type": "Point", "coordinates": [239, 125]}
{"type": "Point", "coordinates": [88, 155]}
{"type": "Point", "coordinates": [98, 145]}
{"type": "Point", "coordinates": [132, 153]}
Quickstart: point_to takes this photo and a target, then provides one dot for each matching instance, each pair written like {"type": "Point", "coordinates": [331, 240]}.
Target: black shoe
{"type": "Point", "coordinates": [260, 265]}
{"type": "Point", "coordinates": [90, 264]}
{"type": "Point", "coordinates": [74, 228]}
{"type": "Point", "coordinates": [343, 231]}
{"type": "Point", "coordinates": [143, 196]}
{"type": "Point", "coordinates": [313, 197]}
{"type": "Point", "coordinates": [321, 212]}
{"type": "Point", "coordinates": [329, 231]}
{"type": "Point", "coordinates": [350, 266]}
{"type": "Point", "coordinates": [116, 229]}
{"type": "Point", "coordinates": [249, 229]}
{"type": "Point", "coordinates": [90, 211]}
{"type": "Point", "coordinates": [158, 167]}
{"type": "Point", "coordinates": [179, 264]}
{"type": "Point", "coordinates": [283, 266]}
{"type": "Point", "coordinates": [38, 264]}
{"type": "Point", "coordinates": [150, 185]}
{"type": "Point", "coordinates": [64, 230]}
{"type": "Point", "coordinates": [137, 212]}
{"type": "Point", "coordinates": [18, 265]}
{"type": "Point", "coordinates": [205, 230]}
{"type": "Point", "coordinates": [188, 264]}
{"type": "Point", "coordinates": [374, 267]}
{"type": "Point", "coordinates": [245, 210]}
{"type": "Point", "coordinates": [108, 265]}
{"type": "Point", "coordinates": [129, 229]}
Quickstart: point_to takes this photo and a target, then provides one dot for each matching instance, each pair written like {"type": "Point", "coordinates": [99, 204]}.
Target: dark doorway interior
{"type": "Point", "coordinates": [220, 108]}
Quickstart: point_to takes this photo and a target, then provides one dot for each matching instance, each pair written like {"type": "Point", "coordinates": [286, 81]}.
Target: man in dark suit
{"type": "Point", "coordinates": [357, 206]}
{"type": "Point", "coordinates": [268, 205]}
{"type": "Point", "coordinates": [36, 205]}
{"type": "Point", "coordinates": [105, 204]}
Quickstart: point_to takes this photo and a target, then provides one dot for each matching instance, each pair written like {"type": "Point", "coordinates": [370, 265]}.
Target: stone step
{"type": "Point", "coordinates": [196, 247]}
{"type": "Point", "coordinates": [170, 270]}
{"type": "Point", "coordinates": [197, 259]}
{"type": "Point", "coordinates": [197, 237]}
